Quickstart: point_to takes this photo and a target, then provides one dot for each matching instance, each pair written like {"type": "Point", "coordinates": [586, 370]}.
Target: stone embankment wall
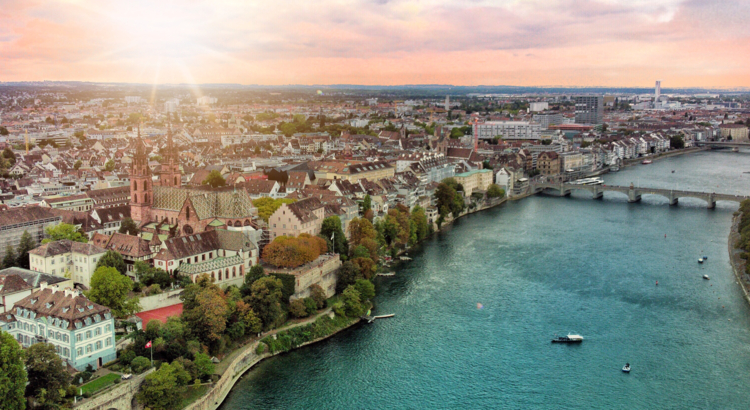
{"type": "Point", "coordinates": [119, 396]}
{"type": "Point", "coordinates": [161, 300]}
{"type": "Point", "coordinates": [738, 264]}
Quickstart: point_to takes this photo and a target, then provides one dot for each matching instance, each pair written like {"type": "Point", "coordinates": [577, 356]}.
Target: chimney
{"type": "Point", "coordinates": [54, 288]}
{"type": "Point", "coordinates": [68, 292]}
{"type": "Point", "coordinates": [42, 285]}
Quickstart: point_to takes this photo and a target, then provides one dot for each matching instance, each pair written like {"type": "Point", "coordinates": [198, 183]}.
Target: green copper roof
{"type": "Point", "coordinates": [208, 266]}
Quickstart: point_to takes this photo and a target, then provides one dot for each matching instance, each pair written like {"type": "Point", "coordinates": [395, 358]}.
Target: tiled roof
{"type": "Point", "coordinates": [15, 216]}
{"type": "Point", "coordinates": [303, 209]}
{"type": "Point", "coordinates": [208, 241]}
{"type": "Point", "coordinates": [64, 246]}
{"type": "Point", "coordinates": [207, 204]}
{"type": "Point", "coordinates": [129, 245]}
{"type": "Point", "coordinates": [213, 264]}
{"type": "Point", "coordinates": [67, 309]}
{"type": "Point", "coordinates": [32, 278]}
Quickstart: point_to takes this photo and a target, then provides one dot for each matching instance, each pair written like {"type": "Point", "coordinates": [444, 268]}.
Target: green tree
{"type": "Point", "coordinates": [113, 259]}
{"type": "Point", "coordinates": [128, 226]}
{"type": "Point", "coordinates": [494, 191]}
{"type": "Point", "coordinates": [12, 374]}
{"type": "Point", "coordinates": [64, 231]}
{"type": "Point", "coordinates": [256, 272]}
{"type": "Point", "coordinates": [214, 179]}
{"type": "Point", "coordinates": [366, 203]}
{"type": "Point", "coordinates": [207, 317]}
{"type": "Point", "coordinates": [110, 165]}
{"type": "Point", "coordinates": [45, 372]}
{"type": "Point", "coordinates": [365, 288]}
{"type": "Point", "coordinates": [204, 367]}
{"type": "Point", "coordinates": [4, 131]}
{"type": "Point", "coordinates": [27, 243]}
{"type": "Point", "coordinates": [348, 274]}
{"type": "Point", "coordinates": [332, 228]}
{"type": "Point", "coordinates": [265, 299]}
{"type": "Point", "coordinates": [140, 364]}
{"type": "Point", "coordinates": [110, 288]}
{"type": "Point", "coordinates": [161, 390]}
{"type": "Point", "coordinates": [10, 257]}
{"type": "Point", "coordinates": [318, 295]}
{"type": "Point", "coordinates": [418, 219]}
{"type": "Point", "coordinates": [297, 308]}
{"type": "Point", "coordinates": [352, 302]}
{"type": "Point", "coordinates": [676, 142]}
{"type": "Point", "coordinates": [77, 165]}
{"type": "Point", "coordinates": [9, 155]}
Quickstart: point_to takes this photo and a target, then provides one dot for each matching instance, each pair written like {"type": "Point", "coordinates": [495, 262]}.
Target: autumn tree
{"type": "Point", "coordinates": [359, 229]}
{"type": "Point", "coordinates": [265, 300]}
{"type": "Point", "coordinates": [206, 315]}
{"type": "Point", "coordinates": [289, 252]}
{"type": "Point", "coordinates": [267, 206]}
{"type": "Point", "coordinates": [348, 274]}
{"type": "Point", "coordinates": [419, 221]}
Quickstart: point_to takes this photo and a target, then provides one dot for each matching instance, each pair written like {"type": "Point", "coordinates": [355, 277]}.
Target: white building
{"type": "Point", "coordinates": [67, 259]}
{"type": "Point", "coordinates": [206, 100]}
{"type": "Point", "coordinates": [538, 106]}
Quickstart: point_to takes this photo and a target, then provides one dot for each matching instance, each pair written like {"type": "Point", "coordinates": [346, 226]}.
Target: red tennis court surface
{"type": "Point", "coordinates": [160, 314]}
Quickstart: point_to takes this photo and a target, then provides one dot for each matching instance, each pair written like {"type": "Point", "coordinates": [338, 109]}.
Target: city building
{"type": "Point", "coordinates": [548, 118]}
{"type": "Point", "coordinates": [508, 130]}
{"type": "Point", "coordinates": [589, 110]}
{"type": "Point", "coordinates": [67, 259]}
{"type": "Point", "coordinates": [82, 331]}
{"type": "Point", "coordinates": [737, 132]}
{"type": "Point", "coordinates": [538, 106]}
{"type": "Point", "coordinates": [17, 283]}
{"type": "Point", "coordinates": [476, 180]}
{"type": "Point", "coordinates": [305, 216]}
{"type": "Point", "coordinates": [548, 163]}
{"type": "Point", "coordinates": [80, 202]}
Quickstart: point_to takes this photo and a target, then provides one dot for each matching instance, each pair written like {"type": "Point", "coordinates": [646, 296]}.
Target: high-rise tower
{"type": "Point", "coordinates": [169, 175]}
{"type": "Point", "coordinates": [657, 91]}
{"type": "Point", "coordinates": [141, 189]}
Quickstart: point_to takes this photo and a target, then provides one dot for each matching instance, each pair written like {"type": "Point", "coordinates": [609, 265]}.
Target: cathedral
{"type": "Point", "coordinates": [163, 206]}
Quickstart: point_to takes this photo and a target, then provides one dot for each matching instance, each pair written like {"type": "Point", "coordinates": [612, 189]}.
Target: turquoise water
{"type": "Point", "coordinates": [540, 267]}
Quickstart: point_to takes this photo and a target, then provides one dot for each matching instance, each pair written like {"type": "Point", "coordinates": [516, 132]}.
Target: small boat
{"type": "Point", "coordinates": [568, 339]}
{"type": "Point", "coordinates": [404, 258]}
{"type": "Point", "coordinates": [657, 283]}
{"type": "Point", "coordinates": [705, 258]}
{"type": "Point", "coordinates": [626, 368]}
{"type": "Point", "coordinates": [646, 161]}
{"type": "Point", "coordinates": [614, 168]}
{"type": "Point", "coordinates": [673, 171]}
{"type": "Point", "coordinates": [706, 277]}
{"type": "Point", "coordinates": [700, 260]}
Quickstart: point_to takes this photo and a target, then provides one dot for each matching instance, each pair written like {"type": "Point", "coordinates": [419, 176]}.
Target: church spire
{"type": "Point", "coordinates": [170, 165]}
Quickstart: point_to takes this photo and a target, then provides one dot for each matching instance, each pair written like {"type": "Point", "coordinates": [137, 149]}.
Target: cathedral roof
{"type": "Point", "coordinates": [207, 204]}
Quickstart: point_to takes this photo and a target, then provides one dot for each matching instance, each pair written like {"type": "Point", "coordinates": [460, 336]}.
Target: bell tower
{"type": "Point", "coordinates": [170, 164]}
{"type": "Point", "coordinates": [141, 189]}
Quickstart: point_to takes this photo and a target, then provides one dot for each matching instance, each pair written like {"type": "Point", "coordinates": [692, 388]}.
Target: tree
{"type": "Point", "coordinates": [12, 374]}
{"type": "Point", "coordinates": [365, 288]}
{"type": "Point", "coordinates": [293, 252]}
{"type": "Point", "coordinates": [494, 191]}
{"type": "Point", "coordinates": [359, 229]}
{"type": "Point", "coordinates": [256, 272]}
{"type": "Point", "coordinates": [10, 257]}
{"type": "Point", "coordinates": [676, 142]}
{"type": "Point", "coordinates": [110, 165]}
{"type": "Point", "coordinates": [332, 228]}
{"type": "Point", "coordinates": [297, 308]}
{"type": "Point", "coordinates": [77, 165]}
{"type": "Point", "coordinates": [140, 364]}
{"type": "Point", "coordinates": [419, 220]}
{"type": "Point", "coordinates": [114, 260]}
{"type": "Point", "coordinates": [352, 302]}
{"type": "Point", "coordinates": [347, 275]}
{"type": "Point", "coordinates": [265, 299]}
{"type": "Point", "coordinates": [27, 243]}
{"type": "Point", "coordinates": [110, 288]}
{"type": "Point", "coordinates": [204, 367]}
{"type": "Point", "coordinates": [267, 206]}
{"type": "Point", "coordinates": [207, 319]}
{"type": "Point", "coordinates": [9, 155]}
{"type": "Point", "coordinates": [318, 295]}
{"type": "Point", "coordinates": [64, 231]}
{"type": "Point", "coordinates": [45, 372]}
{"type": "Point", "coordinates": [160, 390]}
{"type": "Point", "coordinates": [4, 131]}
{"type": "Point", "coordinates": [128, 226]}
{"type": "Point", "coordinates": [214, 179]}
{"type": "Point", "coordinates": [366, 203]}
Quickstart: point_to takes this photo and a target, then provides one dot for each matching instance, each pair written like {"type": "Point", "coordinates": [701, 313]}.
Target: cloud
{"type": "Point", "coordinates": [572, 42]}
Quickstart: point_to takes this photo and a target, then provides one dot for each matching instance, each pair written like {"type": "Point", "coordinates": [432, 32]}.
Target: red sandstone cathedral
{"type": "Point", "coordinates": [168, 208]}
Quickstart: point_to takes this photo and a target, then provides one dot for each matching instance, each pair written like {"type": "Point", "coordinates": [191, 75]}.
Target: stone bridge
{"type": "Point", "coordinates": [119, 396]}
{"type": "Point", "coordinates": [633, 193]}
{"type": "Point", "coordinates": [722, 144]}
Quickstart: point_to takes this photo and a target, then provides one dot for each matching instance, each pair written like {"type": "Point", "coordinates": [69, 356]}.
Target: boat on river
{"type": "Point", "coordinates": [646, 161]}
{"type": "Point", "coordinates": [706, 277]}
{"type": "Point", "coordinates": [700, 260]}
{"type": "Point", "coordinates": [568, 339]}
{"type": "Point", "coordinates": [626, 368]}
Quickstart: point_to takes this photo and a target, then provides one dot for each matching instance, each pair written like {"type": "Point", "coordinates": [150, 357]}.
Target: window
{"type": "Point", "coordinates": [79, 351]}
{"type": "Point", "coordinates": [79, 337]}
{"type": "Point", "coordinates": [98, 331]}
{"type": "Point", "coordinates": [88, 348]}
{"type": "Point", "coordinates": [88, 334]}
{"type": "Point", "coordinates": [107, 328]}
{"type": "Point", "coordinates": [98, 345]}
{"type": "Point", "coordinates": [108, 341]}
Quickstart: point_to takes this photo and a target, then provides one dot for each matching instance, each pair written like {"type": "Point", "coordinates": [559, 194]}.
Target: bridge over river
{"type": "Point", "coordinates": [633, 193]}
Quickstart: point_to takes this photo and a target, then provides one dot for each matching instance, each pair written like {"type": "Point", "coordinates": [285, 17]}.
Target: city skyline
{"type": "Point", "coordinates": [609, 43]}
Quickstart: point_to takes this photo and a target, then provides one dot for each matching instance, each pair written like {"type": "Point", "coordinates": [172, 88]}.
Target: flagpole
{"type": "Point", "coordinates": [152, 355]}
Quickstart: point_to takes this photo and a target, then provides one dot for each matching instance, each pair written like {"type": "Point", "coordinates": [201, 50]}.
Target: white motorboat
{"type": "Point", "coordinates": [626, 368]}
{"type": "Point", "coordinates": [706, 277]}
{"type": "Point", "coordinates": [700, 260]}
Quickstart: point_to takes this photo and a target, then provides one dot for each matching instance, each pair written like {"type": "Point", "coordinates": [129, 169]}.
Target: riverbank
{"type": "Point", "coordinates": [738, 264]}
{"type": "Point", "coordinates": [636, 161]}
{"type": "Point", "coordinates": [245, 358]}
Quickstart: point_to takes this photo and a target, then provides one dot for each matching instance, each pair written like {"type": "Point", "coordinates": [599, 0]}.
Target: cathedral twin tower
{"type": "Point", "coordinates": [141, 185]}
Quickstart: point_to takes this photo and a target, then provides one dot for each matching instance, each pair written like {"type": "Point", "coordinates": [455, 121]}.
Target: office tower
{"type": "Point", "coordinates": [589, 110]}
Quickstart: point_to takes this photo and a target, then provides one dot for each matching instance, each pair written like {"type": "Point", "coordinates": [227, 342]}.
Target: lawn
{"type": "Point", "coordinates": [100, 383]}
{"type": "Point", "coordinates": [191, 395]}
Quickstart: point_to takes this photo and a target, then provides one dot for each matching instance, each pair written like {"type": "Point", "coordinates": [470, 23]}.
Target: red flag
{"type": "Point", "coordinates": [148, 345]}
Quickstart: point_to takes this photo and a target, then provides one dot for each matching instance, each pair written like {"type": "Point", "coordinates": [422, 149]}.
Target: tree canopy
{"type": "Point", "coordinates": [113, 259]}
{"type": "Point", "coordinates": [128, 226]}
{"type": "Point", "coordinates": [265, 299]}
{"type": "Point", "coordinates": [214, 179]}
{"type": "Point", "coordinates": [64, 231]}
{"type": "Point", "coordinates": [46, 374]}
{"type": "Point", "coordinates": [12, 374]}
{"type": "Point", "coordinates": [27, 244]}
{"type": "Point", "coordinates": [267, 206]}
{"type": "Point", "coordinates": [494, 191]}
{"type": "Point", "coordinates": [110, 288]}
{"type": "Point", "coordinates": [332, 228]}
{"type": "Point", "coordinates": [289, 252]}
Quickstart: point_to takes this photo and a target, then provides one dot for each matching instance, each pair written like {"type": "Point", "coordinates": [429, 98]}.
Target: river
{"type": "Point", "coordinates": [541, 267]}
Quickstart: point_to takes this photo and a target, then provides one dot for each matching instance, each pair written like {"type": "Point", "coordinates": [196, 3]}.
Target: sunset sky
{"type": "Point", "coordinates": [387, 42]}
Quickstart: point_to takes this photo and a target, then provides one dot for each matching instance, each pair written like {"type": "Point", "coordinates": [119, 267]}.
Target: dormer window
{"type": "Point", "coordinates": [66, 309]}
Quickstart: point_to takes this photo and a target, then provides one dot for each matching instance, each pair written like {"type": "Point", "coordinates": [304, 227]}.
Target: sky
{"type": "Point", "coordinates": [613, 43]}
